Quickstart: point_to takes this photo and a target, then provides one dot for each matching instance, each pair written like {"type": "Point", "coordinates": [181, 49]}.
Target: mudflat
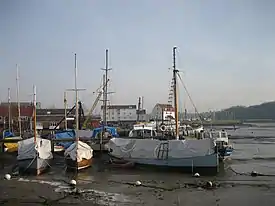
{"type": "Point", "coordinates": [36, 192]}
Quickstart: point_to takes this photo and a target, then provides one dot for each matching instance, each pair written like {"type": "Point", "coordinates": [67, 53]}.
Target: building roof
{"type": "Point", "coordinates": [130, 106]}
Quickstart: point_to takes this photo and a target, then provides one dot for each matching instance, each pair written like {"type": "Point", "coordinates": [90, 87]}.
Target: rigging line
{"type": "Point", "coordinates": [190, 97]}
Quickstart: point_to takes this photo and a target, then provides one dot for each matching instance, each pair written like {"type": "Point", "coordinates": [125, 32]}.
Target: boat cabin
{"type": "Point", "coordinates": [218, 136]}
{"type": "Point", "coordinates": [143, 132]}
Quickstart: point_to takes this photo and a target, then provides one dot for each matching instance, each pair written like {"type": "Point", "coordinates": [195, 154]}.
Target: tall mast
{"type": "Point", "coordinates": [105, 89]}
{"type": "Point", "coordinates": [18, 101]}
{"type": "Point", "coordinates": [76, 98]}
{"type": "Point", "coordinates": [175, 71]}
{"type": "Point", "coordinates": [34, 113]}
{"type": "Point", "coordinates": [65, 109]}
{"type": "Point", "coordinates": [9, 102]}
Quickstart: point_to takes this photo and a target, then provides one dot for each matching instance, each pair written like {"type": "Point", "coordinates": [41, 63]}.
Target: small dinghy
{"type": "Point", "coordinates": [34, 156]}
{"type": "Point", "coordinates": [78, 156]}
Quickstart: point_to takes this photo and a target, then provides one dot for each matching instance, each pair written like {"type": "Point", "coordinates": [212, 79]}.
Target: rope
{"type": "Point", "coordinates": [189, 96]}
{"type": "Point", "coordinates": [253, 173]}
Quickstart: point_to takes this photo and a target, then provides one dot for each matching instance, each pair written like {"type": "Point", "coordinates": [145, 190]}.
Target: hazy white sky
{"type": "Point", "coordinates": [226, 49]}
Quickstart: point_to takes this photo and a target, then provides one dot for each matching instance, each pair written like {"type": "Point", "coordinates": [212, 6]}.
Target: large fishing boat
{"type": "Point", "coordinates": [171, 152]}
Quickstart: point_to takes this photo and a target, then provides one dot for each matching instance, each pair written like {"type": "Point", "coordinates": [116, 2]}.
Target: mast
{"type": "Point", "coordinates": [65, 109]}
{"type": "Point", "coordinates": [105, 89]}
{"type": "Point", "coordinates": [18, 101]}
{"type": "Point", "coordinates": [175, 71]}
{"type": "Point", "coordinates": [9, 102]}
{"type": "Point", "coordinates": [76, 98]}
{"type": "Point", "coordinates": [34, 112]}
{"type": "Point", "coordinates": [139, 109]}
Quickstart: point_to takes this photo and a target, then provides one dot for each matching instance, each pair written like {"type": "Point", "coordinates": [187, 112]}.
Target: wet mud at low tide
{"type": "Point", "coordinates": [100, 185]}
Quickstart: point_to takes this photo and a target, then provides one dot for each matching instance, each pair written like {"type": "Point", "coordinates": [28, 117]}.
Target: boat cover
{"type": "Point", "coordinates": [82, 151]}
{"type": "Point", "coordinates": [112, 130]}
{"type": "Point", "coordinates": [8, 134]}
{"type": "Point", "coordinates": [65, 135]}
{"type": "Point", "coordinates": [82, 134]}
{"type": "Point", "coordinates": [27, 149]}
{"type": "Point", "coordinates": [148, 148]}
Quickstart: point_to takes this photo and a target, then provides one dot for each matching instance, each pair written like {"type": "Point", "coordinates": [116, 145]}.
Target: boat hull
{"type": "Point", "coordinates": [59, 150]}
{"type": "Point", "coordinates": [73, 165]}
{"type": "Point", "coordinates": [11, 147]}
{"type": "Point", "coordinates": [35, 166]}
{"type": "Point", "coordinates": [208, 164]}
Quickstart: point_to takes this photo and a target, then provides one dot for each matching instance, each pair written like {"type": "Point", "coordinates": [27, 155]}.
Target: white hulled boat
{"type": "Point", "coordinates": [34, 154]}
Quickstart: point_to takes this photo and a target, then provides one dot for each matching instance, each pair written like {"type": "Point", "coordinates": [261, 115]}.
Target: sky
{"type": "Point", "coordinates": [225, 50]}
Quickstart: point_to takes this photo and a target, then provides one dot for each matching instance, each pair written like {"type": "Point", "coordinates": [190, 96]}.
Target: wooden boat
{"type": "Point", "coordinates": [79, 155]}
{"type": "Point", "coordinates": [58, 149]}
{"type": "Point", "coordinates": [34, 154]}
{"type": "Point", "coordinates": [74, 165]}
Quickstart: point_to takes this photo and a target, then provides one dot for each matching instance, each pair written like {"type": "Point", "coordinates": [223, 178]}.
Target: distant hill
{"type": "Point", "coordinates": [265, 111]}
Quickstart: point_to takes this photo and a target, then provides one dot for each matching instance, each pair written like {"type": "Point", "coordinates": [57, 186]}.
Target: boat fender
{"type": "Point", "coordinates": [73, 183]}
{"type": "Point", "coordinates": [7, 176]}
{"type": "Point", "coordinates": [138, 183]}
{"type": "Point", "coordinates": [209, 184]}
{"type": "Point", "coordinates": [196, 175]}
{"type": "Point", "coordinates": [162, 128]}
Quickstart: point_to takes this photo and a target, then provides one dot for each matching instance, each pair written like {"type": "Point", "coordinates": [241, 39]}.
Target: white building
{"type": "Point", "coordinates": [163, 112]}
{"type": "Point", "coordinates": [120, 113]}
